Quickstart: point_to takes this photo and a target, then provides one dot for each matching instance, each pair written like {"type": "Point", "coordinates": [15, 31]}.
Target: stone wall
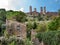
{"type": "Point", "coordinates": [16, 28]}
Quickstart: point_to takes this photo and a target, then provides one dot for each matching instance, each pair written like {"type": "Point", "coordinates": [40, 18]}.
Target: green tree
{"type": "Point", "coordinates": [12, 43]}
{"type": "Point", "coordinates": [54, 24]}
{"type": "Point", "coordinates": [28, 42]}
{"type": "Point", "coordinates": [29, 28]}
{"type": "Point", "coordinates": [49, 38]}
{"type": "Point", "coordinates": [3, 15]}
{"type": "Point", "coordinates": [34, 25]}
{"type": "Point", "coordinates": [11, 14]}
{"type": "Point", "coordinates": [21, 17]}
{"type": "Point", "coordinates": [6, 35]}
{"type": "Point", "coordinates": [41, 27]}
{"type": "Point", "coordinates": [2, 19]}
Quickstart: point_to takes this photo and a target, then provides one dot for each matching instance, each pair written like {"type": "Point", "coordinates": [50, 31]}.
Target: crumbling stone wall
{"type": "Point", "coordinates": [16, 28]}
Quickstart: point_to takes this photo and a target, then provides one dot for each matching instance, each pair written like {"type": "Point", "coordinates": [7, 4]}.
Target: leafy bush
{"type": "Point", "coordinates": [49, 38]}
{"type": "Point", "coordinates": [54, 24]}
{"type": "Point", "coordinates": [21, 17]}
{"type": "Point", "coordinates": [41, 27]}
{"type": "Point", "coordinates": [15, 41]}
{"type": "Point", "coordinates": [28, 42]}
{"type": "Point", "coordinates": [34, 25]}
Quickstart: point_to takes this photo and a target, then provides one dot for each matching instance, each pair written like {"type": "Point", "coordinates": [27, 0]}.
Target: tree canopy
{"type": "Point", "coordinates": [21, 17]}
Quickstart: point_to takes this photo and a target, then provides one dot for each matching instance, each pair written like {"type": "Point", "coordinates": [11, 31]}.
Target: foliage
{"type": "Point", "coordinates": [6, 35]}
{"type": "Point", "coordinates": [12, 43]}
{"type": "Point", "coordinates": [34, 25]}
{"type": "Point", "coordinates": [11, 14]}
{"type": "Point", "coordinates": [3, 15]}
{"type": "Point", "coordinates": [28, 42]}
{"type": "Point", "coordinates": [21, 17]}
{"type": "Point", "coordinates": [29, 26]}
{"type": "Point", "coordinates": [15, 41]}
{"type": "Point", "coordinates": [49, 38]}
{"type": "Point", "coordinates": [2, 19]}
{"type": "Point", "coordinates": [41, 27]}
{"type": "Point", "coordinates": [54, 24]}
{"type": "Point", "coordinates": [40, 17]}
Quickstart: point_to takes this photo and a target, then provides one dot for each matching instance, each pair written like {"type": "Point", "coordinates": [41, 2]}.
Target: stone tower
{"type": "Point", "coordinates": [30, 10]}
{"type": "Point", "coordinates": [35, 9]}
{"type": "Point", "coordinates": [41, 8]}
{"type": "Point", "coordinates": [44, 10]}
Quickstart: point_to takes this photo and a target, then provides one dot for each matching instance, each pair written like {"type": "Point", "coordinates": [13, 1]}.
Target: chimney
{"type": "Point", "coordinates": [30, 10]}
{"type": "Point", "coordinates": [44, 10]}
{"type": "Point", "coordinates": [41, 8]}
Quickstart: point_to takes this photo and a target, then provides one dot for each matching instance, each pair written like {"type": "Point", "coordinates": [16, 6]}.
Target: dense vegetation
{"type": "Point", "coordinates": [14, 41]}
{"type": "Point", "coordinates": [21, 17]}
{"type": "Point", "coordinates": [46, 27]}
{"type": "Point", "coordinates": [49, 38]}
{"type": "Point", "coordinates": [52, 35]}
{"type": "Point", "coordinates": [2, 20]}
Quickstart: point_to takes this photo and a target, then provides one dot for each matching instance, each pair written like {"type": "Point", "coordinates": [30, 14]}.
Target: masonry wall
{"type": "Point", "coordinates": [16, 28]}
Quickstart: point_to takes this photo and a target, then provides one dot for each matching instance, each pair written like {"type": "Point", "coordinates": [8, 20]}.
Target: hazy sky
{"type": "Point", "coordinates": [23, 5]}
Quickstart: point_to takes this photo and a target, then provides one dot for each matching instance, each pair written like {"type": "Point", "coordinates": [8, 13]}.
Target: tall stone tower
{"type": "Point", "coordinates": [35, 9]}
{"type": "Point", "coordinates": [41, 8]}
{"type": "Point", "coordinates": [30, 10]}
{"type": "Point", "coordinates": [44, 10]}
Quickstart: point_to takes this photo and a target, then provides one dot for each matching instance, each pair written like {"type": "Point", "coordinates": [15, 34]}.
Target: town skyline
{"type": "Point", "coordinates": [23, 5]}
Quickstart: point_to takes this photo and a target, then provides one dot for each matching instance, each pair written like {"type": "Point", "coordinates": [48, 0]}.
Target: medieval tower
{"type": "Point", "coordinates": [44, 10]}
{"type": "Point", "coordinates": [41, 10]}
{"type": "Point", "coordinates": [30, 10]}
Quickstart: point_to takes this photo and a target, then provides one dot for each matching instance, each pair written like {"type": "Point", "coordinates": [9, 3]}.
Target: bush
{"type": "Point", "coordinates": [28, 42]}
{"type": "Point", "coordinates": [21, 17]}
{"type": "Point", "coordinates": [54, 24]}
{"type": "Point", "coordinates": [41, 27]}
{"type": "Point", "coordinates": [34, 25]}
{"type": "Point", "coordinates": [15, 41]}
{"type": "Point", "coordinates": [49, 38]}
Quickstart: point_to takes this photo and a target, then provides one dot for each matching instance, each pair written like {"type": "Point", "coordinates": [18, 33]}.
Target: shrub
{"type": "Point", "coordinates": [28, 42]}
{"type": "Point", "coordinates": [21, 17]}
{"type": "Point", "coordinates": [34, 25]}
{"type": "Point", "coordinates": [49, 38]}
{"type": "Point", "coordinates": [54, 24]}
{"type": "Point", "coordinates": [41, 27]}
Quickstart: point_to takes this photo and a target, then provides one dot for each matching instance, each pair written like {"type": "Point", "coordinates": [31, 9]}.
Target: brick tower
{"type": "Point", "coordinates": [30, 10]}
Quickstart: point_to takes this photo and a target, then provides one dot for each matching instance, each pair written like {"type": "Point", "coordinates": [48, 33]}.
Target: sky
{"type": "Point", "coordinates": [23, 5]}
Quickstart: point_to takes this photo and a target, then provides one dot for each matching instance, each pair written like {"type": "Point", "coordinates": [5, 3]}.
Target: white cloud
{"type": "Point", "coordinates": [22, 9]}
{"type": "Point", "coordinates": [4, 4]}
{"type": "Point", "coordinates": [9, 4]}
{"type": "Point", "coordinates": [13, 4]}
